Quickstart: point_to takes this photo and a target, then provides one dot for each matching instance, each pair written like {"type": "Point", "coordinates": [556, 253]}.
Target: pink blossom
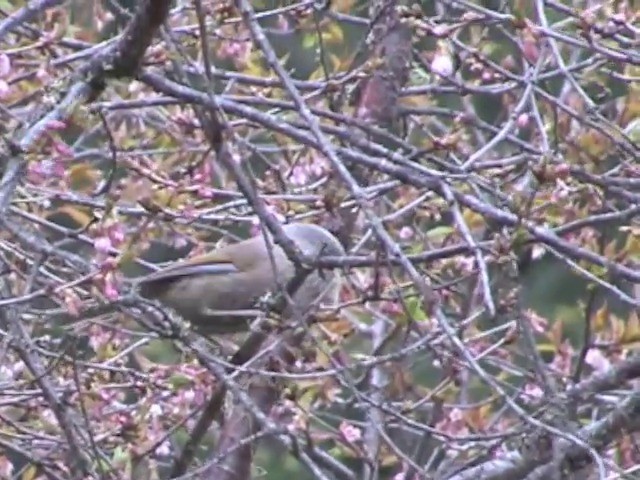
{"type": "Point", "coordinates": [189, 395]}
{"type": "Point", "coordinates": [560, 192]}
{"type": "Point", "coordinates": [317, 164]}
{"type": "Point", "coordinates": [406, 232]}
{"type": "Point", "coordinates": [299, 175]}
{"type": "Point", "coordinates": [466, 263]}
{"type": "Point", "coordinates": [108, 264]}
{"type": "Point", "coordinates": [538, 323]}
{"type": "Point", "coordinates": [298, 423]}
{"type": "Point", "coordinates": [111, 292]}
{"type": "Point", "coordinates": [204, 192]}
{"type": "Point", "coordinates": [523, 120]}
{"type": "Point", "coordinates": [618, 18]}
{"type": "Point", "coordinates": [562, 360]}
{"type": "Point", "coordinates": [46, 169]}
{"type": "Point", "coordinates": [35, 171]}
{"type": "Point", "coordinates": [42, 74]}
{"type": "Point", "coordinates": [5, 373]}
{"type": "Point", "coordinates": [180, 242]}
{"type": "Point", "coordinates": [282, 24]}
{"type": "Point", "coordinates": [58, 168]}
{"type": "Point", "coordinates": [442, 64]}
{"type": "Point", "coordinates": [537, 252]}
{"type": "Point", "coordinates": [5, 90]}
{"type": "Point", "coordinates": [6, 467]}
{"type": "Point", "coordinates": [164, 449]}
{"type": "Point", "coordinates": [48, 416]}
{"type": "Point", "coordinates": [237, 51]}
{"type": "Point", "coordinates": [454, 423]}
{"type": "Point", "coordinates": [236, 157]}
{"type": "Point", "coordinates": [102, 244]}
{"type": "Point", "coordinates": [530, 50]}
{"type": "Point", "coordinates": [155, 410]}
{"type": "Point", "coordinates": [597, 360]}
{"type": "Point", "coordinates": [204, 172]}
{"type": "Point", "coordinates": [11, 371]}
{"type": "Point", "coordinates": [363, 113]}
{"type": "Point", "coordinates": [72, 302]}
{"type": "Point", "coordinates": [456, 415]}
{"type": "Point", "coordinates": [110, 289]}
{"type": "Point", "coordinates": [5, 65]}
{"type": "Point", "coordinates": [189, 212]}
{"type": "Point", "coordinates": [440, 31]}
{"type": "Point", "coordinates": [63, 149]}
{"type": "Point", "coordinates": [98, 339]}
{"type": "Point", "coordinates": [135, 87]}
{"type": "Point", "coordinates": [350, 433]}
{"type": "Point", "coordinates": [116, 233]}
{"type": "Point", "coordinates": [56, 125]}
{"type": "Point", "coordinates": [532, 392]}
{"type": "Point", "coordinates": [391, 308]}
{"type": "Point", "coordinates": [562, 171]}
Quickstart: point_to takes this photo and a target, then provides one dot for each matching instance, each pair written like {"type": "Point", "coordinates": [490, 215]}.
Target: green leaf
{"type": "Point", "coordinates": [177, 381]}
{"type": "Point", "coordinates": [310, 40]}
{"type": "Point", "coordinates": [333, 34]}
{"type": "Point", "coordinates": [414, 305]}
{"type": "Point", "coordinates": [439, 232]}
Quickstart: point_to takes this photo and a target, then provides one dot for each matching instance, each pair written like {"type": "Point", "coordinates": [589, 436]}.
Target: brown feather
{"type": "Point", "coordinates": [236, 276]}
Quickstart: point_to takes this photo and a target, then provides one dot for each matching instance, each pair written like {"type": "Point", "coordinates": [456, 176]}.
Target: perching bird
{"type": "Point", "coordinates": [212, 290]}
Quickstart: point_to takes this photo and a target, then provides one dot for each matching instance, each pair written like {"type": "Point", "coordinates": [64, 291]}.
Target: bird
{"type": "Point", "coordinates": [218, 292]}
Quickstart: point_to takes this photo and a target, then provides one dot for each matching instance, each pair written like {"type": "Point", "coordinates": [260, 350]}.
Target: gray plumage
{"type": "Point", "coordinates": [210, 289]}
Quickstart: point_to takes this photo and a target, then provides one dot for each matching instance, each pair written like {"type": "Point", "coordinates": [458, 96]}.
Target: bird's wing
{"type": "Point", "coordinates": [195, 266]}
